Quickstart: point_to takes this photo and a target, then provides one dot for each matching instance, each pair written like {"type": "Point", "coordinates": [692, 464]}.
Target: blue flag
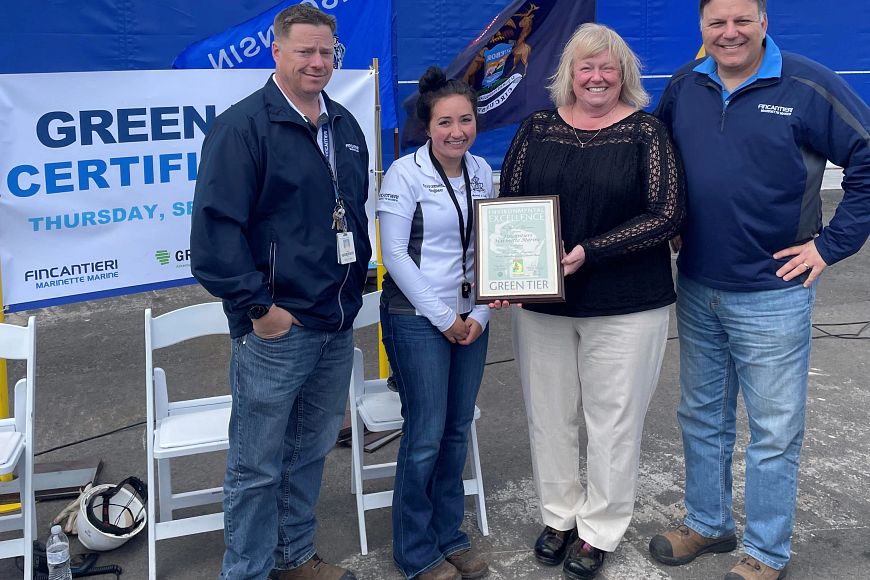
{"type": "Point", "coordinates": [511, 62]}
{"type": "Point", "coordinates": [364, 31]}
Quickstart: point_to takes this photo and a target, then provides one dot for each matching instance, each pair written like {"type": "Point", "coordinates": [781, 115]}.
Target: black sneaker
{"type": "Point", "coordinates": [583, 561]}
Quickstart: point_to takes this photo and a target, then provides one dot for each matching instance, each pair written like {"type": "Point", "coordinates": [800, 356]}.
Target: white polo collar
{"type": "Point", "coordinates": [321, 101]}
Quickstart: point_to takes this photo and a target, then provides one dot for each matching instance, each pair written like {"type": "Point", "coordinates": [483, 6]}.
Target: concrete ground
{"type": "Point", "coordinates": [90, 382]}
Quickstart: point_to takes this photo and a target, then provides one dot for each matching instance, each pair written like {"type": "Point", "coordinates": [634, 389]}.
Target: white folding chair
{"type": "Point", "coordinates": [180, 428]}
{"type": "Point", "coordinates": [16, 442]}
{"type": "Point", "coordinates": [374, 406]}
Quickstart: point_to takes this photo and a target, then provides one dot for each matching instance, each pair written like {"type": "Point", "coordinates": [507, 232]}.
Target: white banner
{"type": "Point", "coordinates": [98, 172]}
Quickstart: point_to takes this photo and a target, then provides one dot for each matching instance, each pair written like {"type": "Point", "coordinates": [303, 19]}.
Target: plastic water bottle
{"type": "Point", "coordinates": [57, 554]}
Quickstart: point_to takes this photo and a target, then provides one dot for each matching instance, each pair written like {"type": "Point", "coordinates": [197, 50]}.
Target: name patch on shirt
{"type": "Point", "coordinates": [775, 110]}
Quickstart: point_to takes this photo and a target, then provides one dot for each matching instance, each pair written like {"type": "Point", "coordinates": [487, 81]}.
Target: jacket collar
{"type": "Point", "coordinates": [280, 111]}
{"type": "Point", "coordinates": [424, 162]}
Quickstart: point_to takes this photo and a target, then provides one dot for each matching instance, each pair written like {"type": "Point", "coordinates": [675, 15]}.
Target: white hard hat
{"type": "Point", "coordinates": [109, 515]}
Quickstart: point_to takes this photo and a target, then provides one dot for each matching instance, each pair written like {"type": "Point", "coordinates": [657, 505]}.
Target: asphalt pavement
{"type": "Point", "coordinates": [91, 403]}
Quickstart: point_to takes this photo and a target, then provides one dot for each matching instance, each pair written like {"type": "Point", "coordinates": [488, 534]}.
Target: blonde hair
{"type": "Point", "coordinates": [591, 39]}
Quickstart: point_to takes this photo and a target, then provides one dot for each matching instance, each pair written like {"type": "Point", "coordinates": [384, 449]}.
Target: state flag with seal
{"type": "Point", "coordinates": [510, 63]}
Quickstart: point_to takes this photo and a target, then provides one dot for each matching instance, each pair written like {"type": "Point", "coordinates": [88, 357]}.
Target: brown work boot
{"type": "Point", "coordinates": [469, 562]}
{"type": "Point", "coordinates": [443, 571]}
{"type": "Point", "coordinates": [682, 545]}
{"type": "Point", "coordinates": [313, 569]}
{"type": "Point", "coordinates": [748, 568]}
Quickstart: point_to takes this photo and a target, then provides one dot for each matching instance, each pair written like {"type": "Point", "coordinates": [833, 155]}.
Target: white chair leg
{"type": "Point", "coordinates": [361, 520]}
{"type": "Point", "coordinates": [477, 473]}
{"type": "Point", "coordinates": [356, 434]}
{"type": "Point", "coordinates": [152, 523]}
{"type": "Point", "coordinates": [357, 459]}
{"type": "Point", "coordinates": [28, 515]}
{"type": "Point", "coordinates": [352, 480]}
{"type": "Point", "coordinates": [164, 484]}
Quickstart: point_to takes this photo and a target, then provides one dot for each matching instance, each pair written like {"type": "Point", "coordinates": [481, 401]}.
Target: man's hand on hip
{"type": "Point", "coordinates": [806, 259]}
{"type": "Point", "coordinates": [277, 322]}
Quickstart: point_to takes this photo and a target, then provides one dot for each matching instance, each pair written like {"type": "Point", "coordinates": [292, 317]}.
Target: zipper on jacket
{"type": "Point", "coordinates": [340, 288]}
{"type": "Point", "coordinates": [273, 258]}
{"type": "Point", "coordinates": [727, 102]}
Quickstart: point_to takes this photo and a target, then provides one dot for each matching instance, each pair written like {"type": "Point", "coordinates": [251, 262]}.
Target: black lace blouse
{"type": "Point", "coordinates": [621, 196]}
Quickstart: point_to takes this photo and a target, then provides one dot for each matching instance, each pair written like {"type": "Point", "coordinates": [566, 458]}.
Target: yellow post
{"type": "Point", "coordinates": [383, 363]}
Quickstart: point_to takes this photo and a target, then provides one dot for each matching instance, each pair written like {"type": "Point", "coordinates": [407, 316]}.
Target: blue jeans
{"type": "Point", "coordinates": [289, 399]}
{"type": "Point", "coordinates": [757, 342]}
{"type": "Point", "coordinates": [438, 384]}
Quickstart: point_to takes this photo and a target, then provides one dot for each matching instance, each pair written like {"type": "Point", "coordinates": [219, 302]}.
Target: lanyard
{"type": "Point", "coordinates": [329, 157]}
{"type": "Point", "coordinates": [339, 219]}
{"type": "Point", "coordinates": [464, 233]}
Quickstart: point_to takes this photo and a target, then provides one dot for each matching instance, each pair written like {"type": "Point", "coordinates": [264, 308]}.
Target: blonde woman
{"type": "Point", "coordinates": [596, 357]}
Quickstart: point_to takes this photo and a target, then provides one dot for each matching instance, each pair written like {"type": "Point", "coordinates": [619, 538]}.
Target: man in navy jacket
{"type": "Point", "coordinates": [755, 127]}
{"type": "Point", "coordinates": [279, 232]}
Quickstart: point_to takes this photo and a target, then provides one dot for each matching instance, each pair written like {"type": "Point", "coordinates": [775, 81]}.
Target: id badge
{"type": "Point", "coordinates": [344, 246]}
{"type": "Point", "coordinates": [464, 300]}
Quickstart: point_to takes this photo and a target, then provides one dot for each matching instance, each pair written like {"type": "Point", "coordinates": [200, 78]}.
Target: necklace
{"type": "Point", "coordinates": [576, 136]}
{"type": "Point", "coordinates": [588, 141]}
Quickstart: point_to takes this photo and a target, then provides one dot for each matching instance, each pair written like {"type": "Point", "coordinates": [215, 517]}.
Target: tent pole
{"type": "Point", "coordinates": [383, 363]}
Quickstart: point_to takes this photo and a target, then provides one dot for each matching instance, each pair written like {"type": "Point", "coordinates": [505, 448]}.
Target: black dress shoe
{"type": "Point", "coordinates": [552, 545]}
{"type": "Point", "coordinates": [583, 561]}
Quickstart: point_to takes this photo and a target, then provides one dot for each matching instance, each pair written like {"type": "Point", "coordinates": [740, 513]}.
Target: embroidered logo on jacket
{"type": "Point", "coordinates": [352, 147]}
{"type": "Point", "coordinates": [775, 110]}
{"type": "Point", "coordinates": [477, 185]}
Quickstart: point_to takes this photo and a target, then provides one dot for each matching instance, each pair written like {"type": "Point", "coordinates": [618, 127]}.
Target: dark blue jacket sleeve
{"type": "Point", "coordinates": [226, 192]}
{"type": "Point", "coordinates": [840, 130]}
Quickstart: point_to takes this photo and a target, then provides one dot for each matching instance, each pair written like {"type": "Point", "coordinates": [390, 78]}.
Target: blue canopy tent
{"type": "Point", "coordinates": [86, 35]}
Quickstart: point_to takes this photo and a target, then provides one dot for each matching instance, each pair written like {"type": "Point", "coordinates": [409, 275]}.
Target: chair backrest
{"type": "Point", "coordinates": [19, 343]}
{"type": "Point", "coordinates": [185, 323]}
{"type": "Point", "coordinates": [370, 313]}
{"type": "Point", "coordinates": [171, 328]}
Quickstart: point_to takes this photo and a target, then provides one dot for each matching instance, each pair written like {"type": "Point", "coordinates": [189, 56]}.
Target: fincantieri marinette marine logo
{"type": "Point", "coordinates": [504, 59]}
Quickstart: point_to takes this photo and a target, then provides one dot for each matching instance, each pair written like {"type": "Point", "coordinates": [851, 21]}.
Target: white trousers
{"type": "Point", "coordinates": [608, 366]}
